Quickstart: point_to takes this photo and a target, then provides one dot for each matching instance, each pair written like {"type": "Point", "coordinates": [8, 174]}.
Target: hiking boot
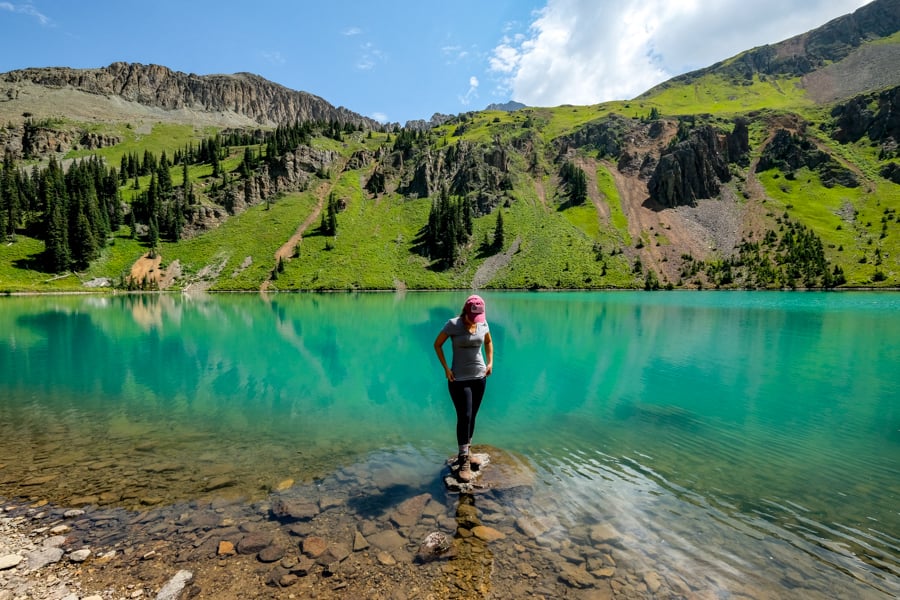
{"type": "Point", "coordinates": [464, 468]}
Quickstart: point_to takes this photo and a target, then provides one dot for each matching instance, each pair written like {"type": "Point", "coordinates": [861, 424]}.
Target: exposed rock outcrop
{"type": "Point", "coordinates": [696, 167]}
{"type": "Point", "coordinates": [293, 172]}
{"type": "Point", "coordinates": [466, 169]}
{"type": "Point", "coordinates": [246, 94]}
{"type": "Point", "coordinates": [31, 140]}
{"type": "Point", "coordinates": [607, 136]}
{"type": "Point", "coordinates": [510, 106]}
{"type": "Point", "coordinates": [436, 120]}
{"type": "Point", "coordinates": [789, 152]}
{"type": "Point", "coordinates": [874, 115]}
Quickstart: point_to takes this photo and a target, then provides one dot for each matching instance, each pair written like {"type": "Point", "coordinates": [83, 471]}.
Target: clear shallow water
{"type": "Point", "coordinates": [741, 439]}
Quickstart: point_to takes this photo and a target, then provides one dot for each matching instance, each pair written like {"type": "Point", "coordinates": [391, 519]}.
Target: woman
{"type": "Point", "coordinates": [466, 376]}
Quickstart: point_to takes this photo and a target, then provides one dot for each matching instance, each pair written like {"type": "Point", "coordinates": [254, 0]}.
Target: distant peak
{"type": "Point", "coordinates": [510, 106]}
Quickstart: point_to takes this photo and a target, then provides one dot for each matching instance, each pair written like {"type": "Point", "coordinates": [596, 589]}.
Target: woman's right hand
{"type": "Point", "coordinates": [449, 374]}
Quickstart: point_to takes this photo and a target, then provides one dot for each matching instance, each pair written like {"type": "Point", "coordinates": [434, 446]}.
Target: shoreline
{"type": "Point", "coordinates": [115, 292]}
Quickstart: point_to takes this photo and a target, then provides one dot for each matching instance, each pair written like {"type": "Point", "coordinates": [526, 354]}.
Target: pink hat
{"type": "Point", "coordinates": [474, 308]}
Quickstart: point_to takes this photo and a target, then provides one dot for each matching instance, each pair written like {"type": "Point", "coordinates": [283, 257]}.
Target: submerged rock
{"type": "Point", "coordinates": [434, 545]}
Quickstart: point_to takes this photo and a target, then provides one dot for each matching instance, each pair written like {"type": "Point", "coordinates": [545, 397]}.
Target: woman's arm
{"type": "Point", "coordinates": [439, 350]}
{"type": "Point", "coordinates": [489, 353]}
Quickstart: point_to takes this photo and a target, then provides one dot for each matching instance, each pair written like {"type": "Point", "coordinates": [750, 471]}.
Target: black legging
{"type": "Point", "coordinates": [466, 396]}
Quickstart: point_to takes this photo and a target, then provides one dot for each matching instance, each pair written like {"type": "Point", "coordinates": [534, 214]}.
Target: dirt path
{"type": "Point", "coordinates": [541, 192]}
{"type": "Point", "coordinates": [286, 251]}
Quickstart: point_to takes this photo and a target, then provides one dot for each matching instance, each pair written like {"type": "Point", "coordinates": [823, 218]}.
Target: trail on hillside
{"type": "Point", "coordinates": [541, 192]}
{"type": "Point", "coordinates": [286, 250]}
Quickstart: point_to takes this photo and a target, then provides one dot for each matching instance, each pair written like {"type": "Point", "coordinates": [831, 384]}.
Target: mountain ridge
{"type": "Point", "coordinates": [811, 51]}
{"type": "Point", "coordinates": [264, 102]}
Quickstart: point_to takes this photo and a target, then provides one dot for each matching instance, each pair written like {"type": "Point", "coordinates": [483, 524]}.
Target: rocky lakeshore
{"type": "Point", "coordinates": [365, 531]}
{"type": "Point", "coordinates": [353, 535]}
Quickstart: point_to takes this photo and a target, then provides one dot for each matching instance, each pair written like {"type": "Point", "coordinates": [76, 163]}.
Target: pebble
{"type": "Point", "coordinates": [359, 542]}
{"type": "Point", "coordinates": [226, 548]}
{"type": "Point", "coordinates": [314, 546]}
{"type": "Point", "coordinates": [173, 588]}
{"type": "Point", "coordinates": [9, 561]}
{"type": "Point", "coordinates": [79, 555]}
{"type": "Point", "coordinates": [487, 534]}
{"type": "Point", "coordinates": [39, 559]}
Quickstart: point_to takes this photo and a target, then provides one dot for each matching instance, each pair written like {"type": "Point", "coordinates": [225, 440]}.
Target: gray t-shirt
{"type": "Point", "coordinates": [468, 363]}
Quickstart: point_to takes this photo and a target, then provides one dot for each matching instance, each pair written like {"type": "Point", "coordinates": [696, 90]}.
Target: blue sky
{"type": "Point", "coordinates": [408, 59]}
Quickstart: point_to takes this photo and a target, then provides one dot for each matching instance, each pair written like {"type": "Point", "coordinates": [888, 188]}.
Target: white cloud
{"type": "Point", "coordinates": [380, 117]}
{"type": "Point", "coordinates": [589, 51]}
{"type": "Point", "coordinates": [350, 31]}
{"type": "Point", "coordinates": [472, 92]}
{"type": "Point", "coordinates": [506, 57]}
{"type": "Point", "coordinates": [370, 56]}
{"type": "Point", "coordinates": [25, 9]}
{"type": "Point", "coordinates": [454, 54]}
{"type": "Point", "coordinates": [275, 57]}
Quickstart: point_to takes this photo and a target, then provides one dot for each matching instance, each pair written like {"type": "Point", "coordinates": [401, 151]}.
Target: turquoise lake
{"type": "Point", "coordinates": [731, 437]}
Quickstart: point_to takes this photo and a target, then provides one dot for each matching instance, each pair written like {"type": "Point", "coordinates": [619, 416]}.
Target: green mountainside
{"type": "Point", "coordinates": [776, 169]}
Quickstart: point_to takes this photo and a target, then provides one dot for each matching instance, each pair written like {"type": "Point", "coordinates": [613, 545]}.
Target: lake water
{"type": "Point", "coordinates": [745, 444]}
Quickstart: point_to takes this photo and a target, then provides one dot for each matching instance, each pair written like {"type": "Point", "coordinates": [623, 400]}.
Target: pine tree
{"type": "Point", "coordinates": [328, 225]}
{"type": "Point", "coordinates": [56, 238]}
{"type": "Point", "coordinates": [164, 176]}
{"type": "Point", "coordinates": [153, 235]}
{"type": "Point", "coordinates": [10, 197]}
{"type": "Point", "coordinates": [575, 181]}
{"type": "Point", "coordinates": [498, 231]}
{"type": "Point", "coordinates": [214, 159]}
{"type": "Point", "coordinates": [84, 247]}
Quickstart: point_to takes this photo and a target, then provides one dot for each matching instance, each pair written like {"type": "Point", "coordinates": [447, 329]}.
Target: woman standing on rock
{"type": "Point", "coordinates": [466, 377]}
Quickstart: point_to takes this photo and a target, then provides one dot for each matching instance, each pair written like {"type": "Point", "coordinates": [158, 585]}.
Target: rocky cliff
{"type": "Point", "coordinates": [789, 152]}
{"type": "Point", "coordinates": [479, 172]}
{"type": "Point", "coordinates": [874, 115]}
{"type": "Point", "coordinates": [254, 97]}
{"type": "Point", "coordinates": [696, 167]}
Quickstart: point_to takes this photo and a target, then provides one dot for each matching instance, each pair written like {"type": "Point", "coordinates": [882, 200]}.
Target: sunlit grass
{"type": "Point", "coordinates": [250, 238]}
{"type": "Point", "coordinates": [847, 220]}
{"type": "Point", "coordinates": [716, 95]}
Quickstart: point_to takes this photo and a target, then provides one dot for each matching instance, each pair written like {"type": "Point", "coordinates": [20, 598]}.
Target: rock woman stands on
{"type": "Point", "coordinates": [468, 332]}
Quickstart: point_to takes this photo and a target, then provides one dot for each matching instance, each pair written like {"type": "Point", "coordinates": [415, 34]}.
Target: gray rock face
{"type": "Point", "coordinates": [857, 118]}
{"type": "Point", "coordinates": [789, 152]}
{"type": "Point", "coordinates": [696, 167]}
{"type": "Point", "coordinates": [481, 171]}
{"type": "Point", "coordinates": [153, 85]}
